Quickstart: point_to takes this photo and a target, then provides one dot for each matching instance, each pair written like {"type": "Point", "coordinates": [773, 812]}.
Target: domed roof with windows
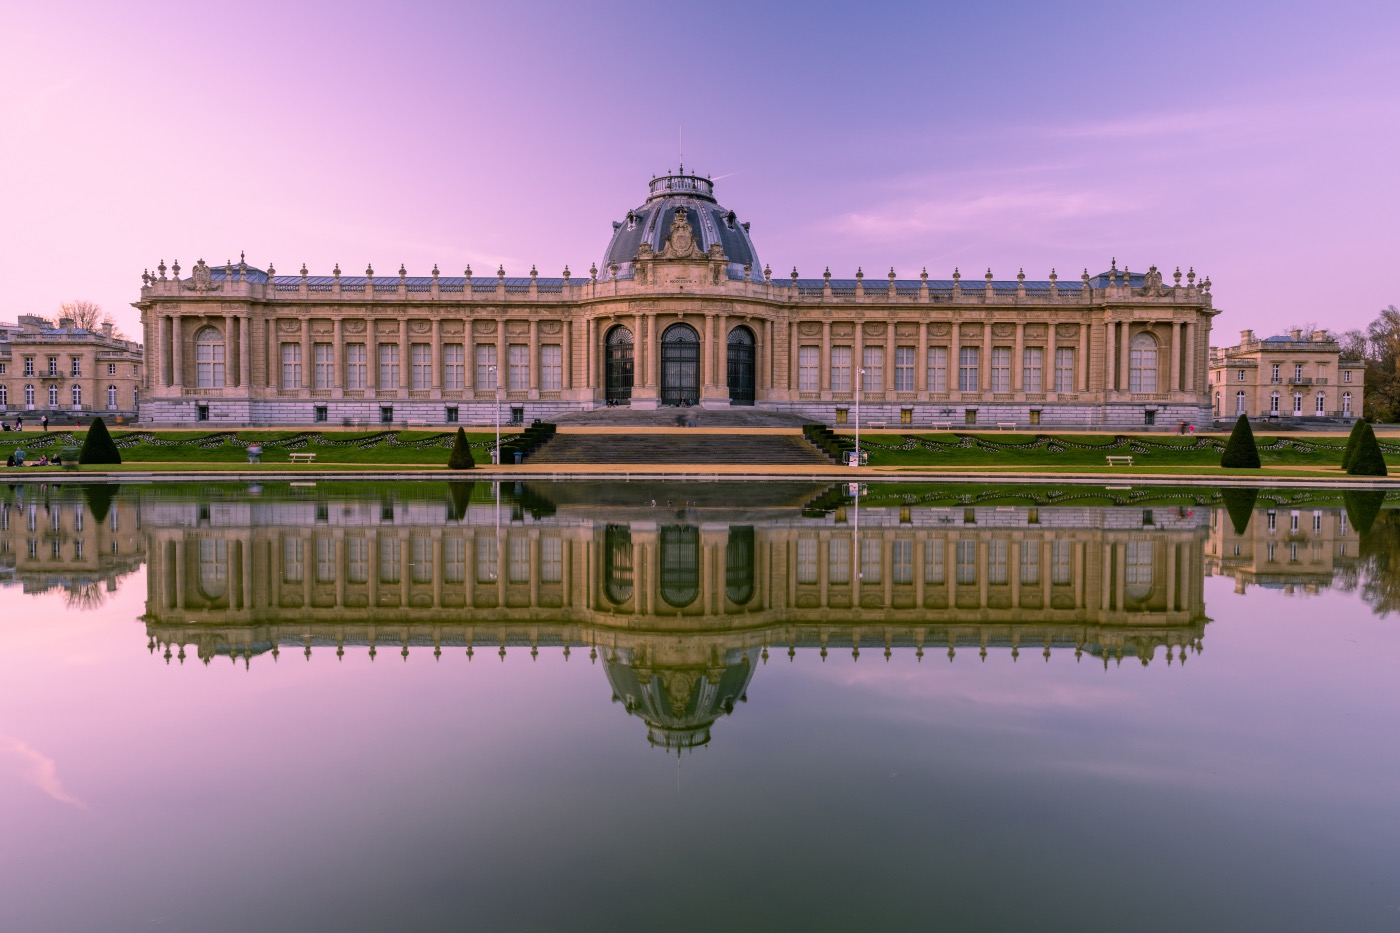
{"type": "Point", "coordinates": [650, 224]}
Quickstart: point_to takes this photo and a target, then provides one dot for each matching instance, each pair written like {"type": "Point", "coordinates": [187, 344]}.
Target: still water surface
{"type": "Point", "coordinates": [614, 707]}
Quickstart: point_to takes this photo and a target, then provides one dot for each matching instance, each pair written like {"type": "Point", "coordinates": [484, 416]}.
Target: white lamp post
{"type": "Point", "coordinates": [860, 387]}
{"type": "Point", "coordinates": [496, 384]}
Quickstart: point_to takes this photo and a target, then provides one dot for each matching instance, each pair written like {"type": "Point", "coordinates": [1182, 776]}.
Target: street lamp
{"type": "Point", "coordinates": [860, 387]}
{"type": "Point", "coordinates": [496, 384]}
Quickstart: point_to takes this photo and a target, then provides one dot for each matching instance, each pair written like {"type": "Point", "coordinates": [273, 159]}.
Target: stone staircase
{"type": "Point", "coordinates": [680, 448]}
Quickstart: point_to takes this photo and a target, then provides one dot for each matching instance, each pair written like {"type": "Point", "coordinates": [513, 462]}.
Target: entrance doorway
{"type": "Point", "coordinates": [680, 365]}
{"type": "Point", "coordinates": [618, 380]}
{"type": "Point", "coordinates": [741, 366]}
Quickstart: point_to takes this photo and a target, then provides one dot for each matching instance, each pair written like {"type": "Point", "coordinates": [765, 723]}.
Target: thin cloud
{"type": "Point", "coordinates": [40, 770]}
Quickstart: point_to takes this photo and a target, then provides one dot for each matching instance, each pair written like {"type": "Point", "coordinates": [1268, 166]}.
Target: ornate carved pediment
{"type": "Point", "coordinates": [201, 278]}
{"type": "Point", "coordinates": [483, 327]}
{"type": "Point", "coordinates": [1066, 330]}
{"type": "Point", "coordinates": [353, 326]}
{"type": "Point", "coordinates": [680, 241]}
{"type": "Point", "coordinates": [1003, 330]}
{"type": "Point", "coordinates": [809, 328]}
{"type": "Point", "coordinates": [1035, 330]}
{"type": "Point", "coordinates": [289, 326]}
{"type": "Point", "coordinates": [517, 328]}
{"type": "Point", "coordinates": [874, 330]}
{"type": "Point", "coordinates": [419, 327]}
{"type": "Point", "coordinates": [938, 330]}
{"type": "Point", "coordinates": [1152, 285]}
{"type": "Point", "coordinates": [452, 328]}
{"type": "Point", "coordinates": [551, 327]}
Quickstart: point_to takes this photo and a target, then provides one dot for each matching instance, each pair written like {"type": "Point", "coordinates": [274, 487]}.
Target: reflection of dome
{"type": "Point", "coordinates": [709, 222]}
{"type": "Point", "coordinates": [679, 702]}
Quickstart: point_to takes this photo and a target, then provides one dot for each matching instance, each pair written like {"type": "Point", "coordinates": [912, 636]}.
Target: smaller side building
{"type": "Point", "coordinates": [1294, 375]}
{"type": "Point", "coordinates": [67, 372]}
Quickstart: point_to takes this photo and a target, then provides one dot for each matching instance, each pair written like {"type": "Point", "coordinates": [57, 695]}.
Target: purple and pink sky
{"type": "Point", "coordinates": [1257, 143]}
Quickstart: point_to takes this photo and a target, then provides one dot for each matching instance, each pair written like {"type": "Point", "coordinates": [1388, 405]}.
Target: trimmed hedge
{"type": "Point", "coordinates": [1354, 438]}
{"type": "Point", "coordinates": [1368, 459]}
{"type": "Point", "coordinates": [834, 445]}
{"type": "Point", "coordinates": [98, 446]}
{"type": "Point", "coordinates": [1241, 452]}
{"type": "Point", "coordinates": [461, 456]}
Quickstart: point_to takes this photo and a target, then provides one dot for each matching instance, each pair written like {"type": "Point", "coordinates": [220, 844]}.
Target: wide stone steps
{"type": "Point", "coordinates": [679, 448]}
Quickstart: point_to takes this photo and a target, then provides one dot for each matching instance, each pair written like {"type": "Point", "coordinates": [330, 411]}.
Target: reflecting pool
{"type": "Point", "coordinates": [754, 706]}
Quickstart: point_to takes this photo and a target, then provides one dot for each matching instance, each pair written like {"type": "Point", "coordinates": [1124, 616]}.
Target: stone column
{"type": "Point", "coordinates": [468, 357]}
{"type": "Point", "coordinates": [1082, 363]}
{"type": "Point", "coordinates": [722, 356]}
{"type": "Point", "coordinates": [436, 353]}
{"type": "Point", "coordinates": [1109, 348]}
{"type": "Point", "coordinates": [858, 358]}
{"type": "Point", "coordinates": [1189, 331]}
{"type": "Point", "coordinates": [1018, 354]}
{"type": "Point", "coordinates": [653, 354]}
{"type": "Point", "coordinates": [1047, 369]}
{"type": "Point", "coordinates": [534, 380]}
{"type": "Point", "coordinates": [1173, 378]}
{"type": "Point", "coordinates": [306, 364]}
{"type": "Point", "coordinates": [1124, 363]}
{"type": "Point", "coordinates": [566, 354]}
{"type": "Point", "coordinates": [164, 327]}
{"type": "Point", "coordinates": [177, 355]}
{"type": "Point", "coordinates": [889, 357]}
{"type": "Point", "coordinates": [337, 355]}
{"type": "Point", "coordinates": [404, 361]}
{"type": "Point", "coordinates": [245, 355]}
{"type": "Point", "coordinates": [954, 357]}
{"type": "Point", "coordinates": [824, 364]}
{"type": "Point", "coordinates": [986, 372]}
{"type": "Point", "coordinates": [921, 364]}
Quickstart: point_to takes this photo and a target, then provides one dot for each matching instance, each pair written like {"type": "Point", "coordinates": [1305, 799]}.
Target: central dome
{"type": "Point", "coordinates": [709, 222]}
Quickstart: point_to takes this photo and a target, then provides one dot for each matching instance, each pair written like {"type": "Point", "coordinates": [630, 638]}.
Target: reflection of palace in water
{"type": "Point", "coordinates": [1290, 549]}
{"type": "Point", "coordinates": [679, 604]}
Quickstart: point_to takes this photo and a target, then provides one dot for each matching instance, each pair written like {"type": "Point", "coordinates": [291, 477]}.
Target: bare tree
{"type": "Point", "coordinates": [88, 315]}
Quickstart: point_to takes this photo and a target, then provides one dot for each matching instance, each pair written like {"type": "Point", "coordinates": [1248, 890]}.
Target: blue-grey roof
{"type": "Point", "coordinates": [651, 223]}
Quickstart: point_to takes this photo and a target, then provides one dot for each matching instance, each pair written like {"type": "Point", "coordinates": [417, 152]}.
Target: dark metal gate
{"type": "Point", "coordinates": [618, 383]}
{"type": "Point", "coordinates": [680, 365]}
{"type": "Point", "coordinates": [741, 366]}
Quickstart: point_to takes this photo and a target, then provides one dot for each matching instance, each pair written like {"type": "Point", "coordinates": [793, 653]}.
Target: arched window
{"type": "Point", "coordinates": [53, 396]}
{"type": "Point", "coordinates": [209, 358]}
{"type": "Point", "coordinates": [112, 397]}
{"type": "Point", "coordinates": [680, 565]}
{"type": "Point", "coordinates": [1142, 364]}
{"type": "Point", "coordinates": [1239, 402]}
{"type": "Point", "coordinates": [213, 568]}
{"type": "Point", "coordinates": [77, 396]}
{"type": "Point", "coordinates": [1346, 404]}
{"type": "Point", "coordinates": [1139, 572]}
{"type": "Point", "coordinates": [1321, 404]}
{"type": "Point", "coordinates": [29, 397]}
{"type": "Point", "coordinates": [618, 387]}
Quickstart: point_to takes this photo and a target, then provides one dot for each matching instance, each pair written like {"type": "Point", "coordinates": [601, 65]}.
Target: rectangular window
{"type": "Point", "coordinates": [969, 416]}
{"type": "Point", "coordinates": [356, 560]}
{"type": "Point", "coordinates": [386, 414]}
{"type": "Point", "coordinates": [486, 366]}
{"type": "Point", "coordinates": [29, 365]}
{"type": "Point", "coordinates": [518, 360]}
{"type": "Point", "coordinates": [551, 560]}
{"type": "Point", "coordinates": [1030, 562]}
{"type": "Point", "coordinates": [906, 416]}
{"type": "Point", "coordinates": [1240, 378]}
{"type": "Point", "coordinates": [966, 561]}
{"type": "Point", "coordinates": [388, 366]}
{"type": "Point", "coordinates": [997, 550]}
{"type": "Point", "coordinates": [450, 414]}
{"type": "Point", "coordinates": [904, 369]}
{"type": "Point", "coordinates": [968, 369]}
{"type": "Point", "coordinates": [806, 560]}
{"type": "Point", "coordinates": [354, 366]}
{"type": "Point", "coordinates": [933, 560]}
{"type": "Point", "coordinates": [1001, 369]}
{"type": "Point", "coordinates": [871, 563]}
{"type": "Point", "coordinates": [420, 357]}
{"type": "Point", "coordinates": [938, 369]}
{"type": "Point", "coordinates": [518, 559]}
{"type": "Point", "coordinates": [1273, 373]}
{"type": "Point", "coordinates": [486, 561]}
{"type": "Point", "coordinates": [838, 560]}
{"type": "Point", "coordinates": [902, 560]}
{"type": "Point", "coordinates": [454, 560]}
{"type": "Point", "coordinates": [843, 415]}
{"type": "Point", "coordinates": [1032, 363]}
{"type": "Point", "coordinates": [1061, 563]}
{"type": "Point", "coordinates": [1297, 370]}
{"type": "Point", "coordinates": [53, 366]}
{"type": "Point", "coordinates": [323, 414]}
{"type": "Point", "coordinates": [551, 367]}
{"type": "Point", "coordinates": [873, 364]}
{"type": "Point", "coordinates": [390, 559]}
{"type": "Point", "coordinates": [291, 366]}
{"type": "Point", "coordinates": [293, 559]}
{"type": "Point", "coordinates": [1034, 414]}
{"type": "Point", "coordinates": [323, 357]}
{"type": "Point", "coordinates": [421, 558]}
{"type": "Point", "coordinates": [809, 369]}
{"type": "Point", "coordinates": [111, 369]}
{"type": "Point", "coordinates": [1346, 375]}
{"type": "Point", "coordinates": [77, 365]}
{"type": "Point", "coordinates": [454, 366]}
{"type": "Point", "coordinates": [840, 369]}
{"type": "Point", "coordinates": [1064, 369]}
{"type": "Point", "coordinates": [325, 559]}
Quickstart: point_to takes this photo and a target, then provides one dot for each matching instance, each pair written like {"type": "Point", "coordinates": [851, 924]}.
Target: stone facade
{"type": "Point", "coordinates": [1295, 375]}
{"type": "Point", "coordinates": [680, 313]}
{"type": "Point", "coordinates": [67, 373]}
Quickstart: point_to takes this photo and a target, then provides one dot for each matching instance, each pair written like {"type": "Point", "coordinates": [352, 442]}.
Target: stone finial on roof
{"type": "Point", "coordinates": [403, 272]}
{"type": "Point", "coordinates": [369, 271]}
{"type": "Point", "coordinates": [435, 272]}
{"type": "Point", "coordinates": [304, 271]}
{"type": "Point", "coordinates": [1205, 285]}
{"type": "Point", "coordinates": [469, 273]}
{"type": "Point", "coordinates": [145, 276]}
{"type": "Point", "coordinates": [270, 271]}
{"type": "Point", "coordinates": [748, 272]}
{"type": "Point", "coordinates": [827, 274]}
{"type": "Point", "coordinates": [534, 273]}
{"type": "Point", "coordinates": [501, 272]}
{"type": "Point", "coordinates": [794, 275]}
{"type": "Point", "coordinates": [891, 275]}
{"type": "Point", "coordinates": [988, 276]}
{"type": "Point", "coordinates": [1053, 277]}
{"type": "Point", "coordinates": [228, 268]}
{"type": "Point", "coordinates": [767, 272]}
{"type": "Point", "coordinates": [1021, 275]}
{"type": "Point", "coordinates": [593, 272]}
{"type": "Point", "coordinates": [566, 272]}
{"type": "Point", "coordinates": [1176, 276]}
{"type": "Point", "coordinates": [161, 269]}
{"type": "Point", "coordinates": [1191, 276]}
{"type": "Point", "coordinates": [923, 276]}
{"type": "Point", "coordinates": [957, 275]}
{"type": "Point", "coordinates": [336, 271]}
{"type": "Point", "coordinates": [1085, 277]}
{"type": "Point", "coordinates": [860, 273]}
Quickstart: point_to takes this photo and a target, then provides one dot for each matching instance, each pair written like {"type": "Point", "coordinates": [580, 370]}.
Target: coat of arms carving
{"type": "Point", "coordinates": [680, 241]}
{"type": "Point", "coordinates": [201, 278]}
{"type": "Point", "coordinates": [1152, 285]}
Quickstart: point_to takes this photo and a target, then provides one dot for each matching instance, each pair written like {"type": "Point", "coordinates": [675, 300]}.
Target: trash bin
{"type": "Point", "coordinates": [520, 456]}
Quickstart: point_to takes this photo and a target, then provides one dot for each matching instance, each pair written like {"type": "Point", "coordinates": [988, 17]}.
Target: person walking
{"type": "Point", "coordinates": [44, 421]}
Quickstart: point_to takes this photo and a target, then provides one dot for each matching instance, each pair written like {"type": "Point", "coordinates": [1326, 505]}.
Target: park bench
{"type": "Point", "coordinates": [1120, 460]}
{"type": "Point", "coordinates": [942, 425]}
{"type": "Point", "coordinates": [1006, 425]}
{"type": "Point", "coordinates": [302, 457]}
{"type": "Point", "coordinates": [875, 425]}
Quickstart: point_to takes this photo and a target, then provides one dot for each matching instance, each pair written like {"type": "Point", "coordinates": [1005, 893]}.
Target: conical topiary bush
{"type": "Point", "coordinates": [1349, 452]}
{"type": "Point", "coordinates": [1240, 450]}
{"type": "Point", "coordinates": [1239, 505]}
{"type": "Point", "coordinates": [461, 457]}
{"type": "Point", "coordinates": [1368, 459]}
{"type": "Point", "coordinates": [98, 446]}
{"type": "Point", "coordinates": [1363, 505]}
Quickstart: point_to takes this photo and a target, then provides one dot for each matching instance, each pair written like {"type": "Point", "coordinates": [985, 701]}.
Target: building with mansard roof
{"type": "Point", "coordinates": [680, 312]}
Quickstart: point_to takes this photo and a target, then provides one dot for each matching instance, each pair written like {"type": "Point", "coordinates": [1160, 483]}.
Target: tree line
{"type": "Point", "coordinates": [1378, 346]}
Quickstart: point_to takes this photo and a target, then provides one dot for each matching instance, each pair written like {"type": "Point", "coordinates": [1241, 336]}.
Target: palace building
{"type": "Point", "coordinates": [680, 311]}
{"type": "Point", "coordinates": [1293, 375]}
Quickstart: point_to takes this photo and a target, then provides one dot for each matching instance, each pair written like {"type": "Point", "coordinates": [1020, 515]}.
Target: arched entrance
{"type": "Point", "coordinates": [741, 366]}
{"type": "Point", "coordinates": [680, 365]}
{"type": "Point", "coordinates": [680, 565]}
{"type": "Point", "coordinates": [618, 354]}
